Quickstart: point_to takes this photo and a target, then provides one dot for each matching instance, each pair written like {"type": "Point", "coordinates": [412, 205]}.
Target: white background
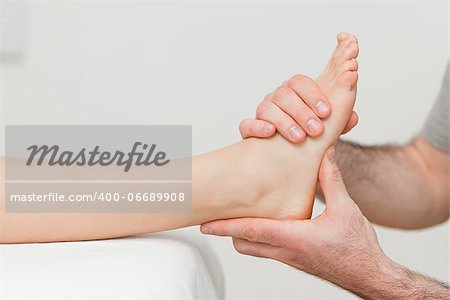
{"type": "Point", "coordinates": [208, 64]}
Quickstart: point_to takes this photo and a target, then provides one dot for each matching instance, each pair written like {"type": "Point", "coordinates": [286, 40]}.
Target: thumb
{"type": "Point", "coordinates": [330, 179]}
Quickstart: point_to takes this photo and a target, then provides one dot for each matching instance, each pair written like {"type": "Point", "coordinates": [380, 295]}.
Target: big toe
{"type": "Point", "coordinates": [343, 36]}
{"type": "Point", "coordinates": [347, 49]}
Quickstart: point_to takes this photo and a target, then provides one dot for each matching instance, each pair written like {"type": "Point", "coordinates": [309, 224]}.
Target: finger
{"type": "Point", "coordinates": [257, 249]}
{"type": "Point", "coordinates": [273, 232]}
{"type": "Point", "coordinates": [284, 255]}
{"type": "Point", "coordinates": [308, 90]}
{"type": "Point", "coordinates": [257, 128]}
{"type": "Point", "coordinates": [288, 128]}
{"type": "Point", "coordinates": [286, 99]}
{"type": "Point", "coordinates": [331, 181]}
{"type": "Point", "coordinates": [351, 123]}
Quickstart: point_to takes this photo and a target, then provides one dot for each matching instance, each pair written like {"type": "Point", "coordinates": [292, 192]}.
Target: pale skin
{"type": "Point", "coordinates": [416, 195]}
{"type": "Point", "coordinates": [235, 181]}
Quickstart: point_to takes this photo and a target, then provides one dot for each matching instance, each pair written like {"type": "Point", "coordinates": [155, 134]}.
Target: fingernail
{"type": "Point", "coordinates": [321, 108]}
{"type": "Point", "coordinates": [266, 130]}
{"type": "Point", "coordinates": [295, 132]}
{"type": "Point", "coordinates": [205, 230]}
{"type": "Point", "coordinates": [332, 155]}
{"type": "Point", "coordinates": [313, 125]}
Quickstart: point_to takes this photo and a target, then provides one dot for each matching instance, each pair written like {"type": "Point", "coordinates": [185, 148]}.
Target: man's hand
{"type": "Point", "coordinates": [294, 117]}
{"type": "Point", "coordinates": [330, 246]}
{"type": "Point", "coordinates": [339, 246]}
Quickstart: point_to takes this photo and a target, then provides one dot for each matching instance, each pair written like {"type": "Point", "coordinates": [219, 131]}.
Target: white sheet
{"type": "Point", "coordinates": [172, 265]}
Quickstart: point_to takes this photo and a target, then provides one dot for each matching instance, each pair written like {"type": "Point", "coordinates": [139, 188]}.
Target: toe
{"type": "Point", "coordinates": [348, 79]}
{"type": "Point", "coordinates": [347, 49]}
{"type": "Point", "coordinates": [343, 36]}
{"type": "Point", "coordinates": [350, 49]}
{"type": "Point", "coordinates": [348, 65]}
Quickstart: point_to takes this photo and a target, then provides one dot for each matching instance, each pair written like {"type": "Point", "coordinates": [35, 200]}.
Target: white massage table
{"type": "Point", "coordinates": [172, 265]}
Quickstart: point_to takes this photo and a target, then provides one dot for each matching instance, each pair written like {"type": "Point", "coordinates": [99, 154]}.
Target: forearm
{"type": "Point", "coordinates": [388, 280]}
{"type": "Point", "coordinates": [393, 185]}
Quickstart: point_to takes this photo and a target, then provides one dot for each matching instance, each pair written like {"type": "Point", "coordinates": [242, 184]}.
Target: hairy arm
{"type": "Point", "coordinates": [393, 282]}
{"type": "Point", "coordinates": [397, 186]}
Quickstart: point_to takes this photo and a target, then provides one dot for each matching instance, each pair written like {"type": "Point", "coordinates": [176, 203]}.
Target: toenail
{"type": "Point", "coordinates": [295, 132]}
{"type": "Point", "coordinates": [321, 108]}
{"type": "Point", "coordinates": [313, 125]}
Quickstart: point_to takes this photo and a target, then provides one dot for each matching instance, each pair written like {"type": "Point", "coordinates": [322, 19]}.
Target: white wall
{"type": "Point", "coordinates": [209, 63]}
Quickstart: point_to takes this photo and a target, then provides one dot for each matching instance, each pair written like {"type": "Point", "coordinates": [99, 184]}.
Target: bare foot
{"type": "Point", "coordinates": [338, 80]}
{"type": "Point", "coordinates": [286, 173]}
{"type": "Point", "coordinates": [253, 178]}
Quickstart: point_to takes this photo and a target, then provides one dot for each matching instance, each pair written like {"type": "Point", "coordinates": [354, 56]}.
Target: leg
{"type": "Point", "coordinates": [260, 178]}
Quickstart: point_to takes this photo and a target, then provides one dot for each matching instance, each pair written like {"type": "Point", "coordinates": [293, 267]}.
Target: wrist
{"type": "Point", "coordinates": [386, 279]}
{"type": "Point", "coordinates": [367, 275]}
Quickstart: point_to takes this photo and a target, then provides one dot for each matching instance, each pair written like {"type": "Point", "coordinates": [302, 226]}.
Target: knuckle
{"type": "Point", "coordinates": [275, 237]}
{"type": "Point", "coordinates": [280, 93]}
{"type": "Point", "coordinates": [303, 113]}
{"type": "Point", "coordinates": [262, 108]}
{"type": "Point", "coordinates": [249, 232]}
{"type": "Point", "coordinates": [268, 97]}
{"type": "Point", "coordinates": [298, 79]}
